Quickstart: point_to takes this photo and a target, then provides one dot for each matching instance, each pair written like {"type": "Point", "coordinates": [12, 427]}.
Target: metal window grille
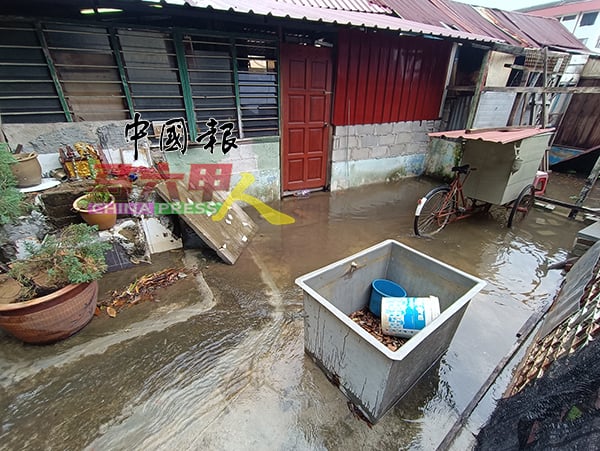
{"type": "Point", "coordinates": [150, 62]}
{"type": "Point", "coordinates": [27, 90]}
{"type": "Point", "coordinates": [89, 75]}
{"type": "Point", "coordinates": [258, 87]}
{"type": "Point", "coordinates": [54, 72]}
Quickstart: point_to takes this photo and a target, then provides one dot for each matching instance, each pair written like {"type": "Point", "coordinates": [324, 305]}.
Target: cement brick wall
{"type": "Point", "coordinates": [259, 157]}
{"type": "Point", "coordinates": [375, 153]}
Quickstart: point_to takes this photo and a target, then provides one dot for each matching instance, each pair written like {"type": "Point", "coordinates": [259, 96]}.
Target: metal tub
{"type": "Point", "coordinates": [373, 377]}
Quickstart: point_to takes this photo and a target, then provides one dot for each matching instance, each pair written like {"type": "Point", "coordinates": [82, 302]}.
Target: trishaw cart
{"type": "Point", "coordinates": [499, 167]}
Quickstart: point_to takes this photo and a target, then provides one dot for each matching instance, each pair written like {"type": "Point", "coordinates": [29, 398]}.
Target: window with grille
{"type": "Point", "coordinates": [27, 91]}
{"type": "Point", "coordinates": [150, 62]}
{"type": "Point", "coordinates": [212, 81]}
{"type": "Point", "coordinates": [89, 75]}
{"type": "Point", "coordinates": [55, 72]}
{"type": "Point", "coordinates": [257, 73]}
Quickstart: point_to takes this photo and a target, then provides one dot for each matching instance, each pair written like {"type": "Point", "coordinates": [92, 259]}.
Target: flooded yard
{"type": "Point", "coordinates": [217, 360]}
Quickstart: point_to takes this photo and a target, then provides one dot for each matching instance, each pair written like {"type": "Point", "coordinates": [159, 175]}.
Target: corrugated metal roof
{"type": "Point", "coordinates": [562, 10]}
{"type": "Point", "coordinates": [535, 31]}
{"type": "Point", "coordinates": [499, 135]}
{"type": "Point", "coordinates": [366, 6]}
{"type": "Point", "coordinates": [514, 28]}
{"type": "Point", "coordinates": [362, 19]}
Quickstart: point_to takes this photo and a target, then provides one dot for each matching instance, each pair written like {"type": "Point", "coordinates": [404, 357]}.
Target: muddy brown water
{"type": "Point", "coordinates": [217, 361]}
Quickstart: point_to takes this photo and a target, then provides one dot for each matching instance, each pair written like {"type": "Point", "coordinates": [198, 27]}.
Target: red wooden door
{"type": "Point", "coordinates": [306, 91]}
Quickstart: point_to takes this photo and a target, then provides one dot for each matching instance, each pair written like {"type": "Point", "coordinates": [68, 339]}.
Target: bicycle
{"type": "Point", "coordinates": [448, 203]}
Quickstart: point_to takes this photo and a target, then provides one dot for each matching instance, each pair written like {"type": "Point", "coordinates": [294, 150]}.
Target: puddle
{"type": "Point", "coordinates": [219, 363]}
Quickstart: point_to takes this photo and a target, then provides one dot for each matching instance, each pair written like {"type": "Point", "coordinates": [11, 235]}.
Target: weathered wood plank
{"type": "Point", "coordinates": [228, 237]}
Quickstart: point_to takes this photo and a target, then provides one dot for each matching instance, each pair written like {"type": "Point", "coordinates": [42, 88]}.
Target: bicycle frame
{"type": "Point", "coordinates": [456, 200]}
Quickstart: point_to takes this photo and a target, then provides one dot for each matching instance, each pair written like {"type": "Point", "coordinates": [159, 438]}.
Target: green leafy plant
{"type": "Point", "coordinates": [75, 255]}
{"type": "Point", "coordinates": [11, 199]}
{"type": "Point", "coordinates": [98, 195]}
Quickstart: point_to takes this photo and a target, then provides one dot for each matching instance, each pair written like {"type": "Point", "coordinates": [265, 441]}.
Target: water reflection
{"type": "Point", "coordinates": [234, 374]}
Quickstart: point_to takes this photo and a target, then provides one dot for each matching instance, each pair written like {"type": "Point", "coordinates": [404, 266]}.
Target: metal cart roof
{"type": "Point", "coordinates": [496, 135]}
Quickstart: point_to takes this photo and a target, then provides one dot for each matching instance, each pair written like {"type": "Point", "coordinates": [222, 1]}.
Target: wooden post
{"type": "Point", "coordinates": [587, 187]}
{"type": "Point", "coordinates": [544, 92]}
{"type": "Point", "coordinates": [478, 88]}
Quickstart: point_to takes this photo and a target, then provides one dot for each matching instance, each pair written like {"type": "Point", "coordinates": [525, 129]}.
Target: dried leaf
{"type": "Point", "coordinates": [97, 312]}
{"type": "Point", "coordinates": [111, 312]}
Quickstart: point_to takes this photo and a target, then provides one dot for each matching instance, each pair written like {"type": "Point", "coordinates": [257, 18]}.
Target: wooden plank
{"type": "Point", "coordinates": [539, 89]}
{"type": "Point", "coordinates": [228, 237]}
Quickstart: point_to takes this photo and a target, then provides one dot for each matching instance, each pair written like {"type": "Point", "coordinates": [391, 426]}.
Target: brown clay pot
{"type": "Point", "coordinates": [53, 317]}
{"type": "Point", "coordinates": [27, 169]}
{"type": "Point", "coordinates": [102, 215]}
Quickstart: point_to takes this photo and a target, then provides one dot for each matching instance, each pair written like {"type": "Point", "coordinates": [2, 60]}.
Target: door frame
{"type": "Point", "coordinates": [284, 115]}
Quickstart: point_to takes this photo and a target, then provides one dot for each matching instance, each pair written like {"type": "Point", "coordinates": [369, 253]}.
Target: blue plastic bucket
{"type": "Point", "coordinates": [383, 288]}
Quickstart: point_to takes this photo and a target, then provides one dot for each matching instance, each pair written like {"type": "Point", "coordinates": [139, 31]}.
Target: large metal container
{"type": "Point", "coordinates": [372, 376]}
{"type": "Point", "coordinates": [506, 160]}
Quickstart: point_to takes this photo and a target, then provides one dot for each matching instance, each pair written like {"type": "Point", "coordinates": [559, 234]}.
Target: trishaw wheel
{"type": "Point", "coordinates": [434, 211]}
{"type": "Point", "coordinates": [522, 205]}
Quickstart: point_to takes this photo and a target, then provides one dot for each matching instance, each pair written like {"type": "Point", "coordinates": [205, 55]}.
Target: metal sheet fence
{"type": "Point", "coordinates": [382, 79]}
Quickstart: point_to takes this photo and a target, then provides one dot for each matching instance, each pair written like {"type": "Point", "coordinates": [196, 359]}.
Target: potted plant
{"type": "Point", "coordinates": [11, 199]}
{"type": "Point", "coordinates": [97, 207]}
{"type": "Point", "coordinates": [59, 287]}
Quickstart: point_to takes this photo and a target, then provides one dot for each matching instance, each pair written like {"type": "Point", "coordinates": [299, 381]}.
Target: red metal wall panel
{"type": "Point", "coordinates": [383, 79]}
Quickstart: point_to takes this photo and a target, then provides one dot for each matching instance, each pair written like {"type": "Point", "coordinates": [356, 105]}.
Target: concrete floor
{"type": "Point", "coordinates": [217, 360]}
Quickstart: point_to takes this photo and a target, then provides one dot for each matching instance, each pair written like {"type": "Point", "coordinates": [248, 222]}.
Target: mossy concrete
{"type": "Point", "coordinates": [257, 157]}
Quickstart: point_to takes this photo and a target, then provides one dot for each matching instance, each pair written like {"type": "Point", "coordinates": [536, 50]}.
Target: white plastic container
{"type": "Point", "coordinates": [406, 316]}
{"type": "Point", "coordinates": [372, 376]}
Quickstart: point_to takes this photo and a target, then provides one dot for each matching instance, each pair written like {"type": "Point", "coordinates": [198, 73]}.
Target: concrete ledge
{"type": "Point", "coordinates": [364, 172]}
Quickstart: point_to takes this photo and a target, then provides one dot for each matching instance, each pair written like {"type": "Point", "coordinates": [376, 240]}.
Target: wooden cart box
{"type": "Point", "coordinates": [506, 160]}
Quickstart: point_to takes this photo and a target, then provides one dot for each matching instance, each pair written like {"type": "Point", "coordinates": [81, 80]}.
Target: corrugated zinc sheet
{"type": "Point", "coordinates": [422, 11]}
{"type": "Point", "coordinates": [579, 127]}
{"type": "Point", "coordinates": [535, 30]}
{"type": "Point", "coordinates": [366, 6]}
{"type": "Point", "coordinates": [500, 135]}
{"type": "Point", "coordinates": [515, 28]}
{"type": "Point", "coordinates": [382, 79]}
{"type": "Point", "coordinates": [471, 20]}
{"type": "Point", "coordinates": [368, 20]}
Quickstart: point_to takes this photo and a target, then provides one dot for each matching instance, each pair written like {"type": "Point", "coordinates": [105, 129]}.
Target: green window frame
{"type": "Point", "coordinates": [55, 72]}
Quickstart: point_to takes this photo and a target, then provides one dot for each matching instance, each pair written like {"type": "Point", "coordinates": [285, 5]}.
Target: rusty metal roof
{"type": "Point", "coordinates": [498, 135]}
{"type": "Point", "coordinates": [279, 9]}
{"type": "Point", "coordinates": [535, 31]}
{"type": "Point", "coordinates": [514, 28]}
{"type": "Point", "coordinates": [367, 6]}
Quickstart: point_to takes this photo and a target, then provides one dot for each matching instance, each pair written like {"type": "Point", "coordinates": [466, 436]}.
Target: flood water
{"type": "Point", "coordinates": [218, 362]}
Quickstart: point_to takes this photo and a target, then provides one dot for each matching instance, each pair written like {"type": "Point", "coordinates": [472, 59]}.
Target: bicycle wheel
{"type": "Point", "coordinates": [522, 205]}
{"type": "Point", "coordinates": [433, 211]}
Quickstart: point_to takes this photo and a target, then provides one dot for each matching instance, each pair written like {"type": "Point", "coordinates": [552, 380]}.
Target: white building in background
{"type": "Point", "coordinates": [580, 17]}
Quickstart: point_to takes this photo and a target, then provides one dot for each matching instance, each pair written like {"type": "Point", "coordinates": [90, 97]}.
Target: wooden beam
{"type": "Point", "coordinates": [548, 90]}
{"type": "Point", "coordinates": [479, 87]}
{"type": "Point", "coordinates": [587, 187]}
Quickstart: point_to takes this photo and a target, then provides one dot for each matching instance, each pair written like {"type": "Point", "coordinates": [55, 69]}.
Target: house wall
{"type": "Point", "coordinates": [258, 156]}
{"type": "Point", "coordinates": [375, 153]}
